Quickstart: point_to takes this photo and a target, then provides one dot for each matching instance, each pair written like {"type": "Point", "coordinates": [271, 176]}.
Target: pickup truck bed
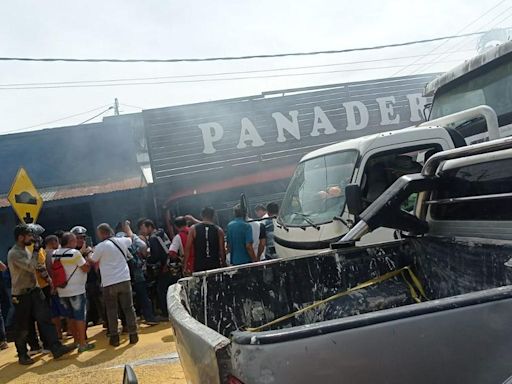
{"type": "Point", "coordinates": [369, 327]}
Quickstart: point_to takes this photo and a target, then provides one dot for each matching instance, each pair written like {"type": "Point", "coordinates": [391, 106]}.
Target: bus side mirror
{"type": "Point", "coordinates": [354, 199]}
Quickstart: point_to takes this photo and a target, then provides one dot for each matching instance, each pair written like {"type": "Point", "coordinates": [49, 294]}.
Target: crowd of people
{"type": "Point", "coordinates": [61, 284]}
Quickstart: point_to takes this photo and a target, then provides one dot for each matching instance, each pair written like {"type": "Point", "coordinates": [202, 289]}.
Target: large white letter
{"type": "Point", "coordinates": [321, 122]}
{"type": "Point", "coordinates": [417, 104]}
{"type": "Point", "coordinates": [249, 132]}
{"type": "Point", "coordinates": [212, 132]}
{"type": "Point", "coordinates": [386, 110]}
{"type": "Point", "coordinates": [351, 106]}
{"type": "Point", "coordinates": [283, 124]}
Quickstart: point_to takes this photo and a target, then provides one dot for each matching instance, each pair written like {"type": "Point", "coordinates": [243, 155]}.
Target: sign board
{"type": "Point", "coordinates": [24, 198]}
{"type": "Point", "coordinates": [213, 141]}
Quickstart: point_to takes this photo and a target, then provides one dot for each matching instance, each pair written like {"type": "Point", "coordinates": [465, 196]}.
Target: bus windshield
{"type": "Point", "coordinates": [493, 88]}
{"type": "Point", "coordinates": [317, 190]}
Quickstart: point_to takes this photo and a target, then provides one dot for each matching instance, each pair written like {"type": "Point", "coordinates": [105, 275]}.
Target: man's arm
{"type": "Point", "coordinates": [250, 251]}
{"type": "Point", "coordinates": [188, 248]}
{"type": "Point", "coordinates": [222, 248]}
{"type": "Point", "coordinates": [261, 247]}
{"type": "Point", "coordinates": [127, 229]}
{"type": "Point", "coordinates": [192, 219]}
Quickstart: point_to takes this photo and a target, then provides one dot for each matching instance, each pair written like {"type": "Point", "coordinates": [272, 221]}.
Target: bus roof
{"type": "Point", "coordinates": [489, 57]}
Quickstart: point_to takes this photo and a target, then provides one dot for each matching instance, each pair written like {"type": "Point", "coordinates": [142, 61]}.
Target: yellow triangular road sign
{"type": "Point", "coordinates": [24, 198]}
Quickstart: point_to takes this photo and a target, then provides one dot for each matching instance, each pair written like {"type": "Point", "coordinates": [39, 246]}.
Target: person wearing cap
{"type": "Point", "coordinates": [95, 304]}
{"type": "Point", "coordinates": [28, 299]}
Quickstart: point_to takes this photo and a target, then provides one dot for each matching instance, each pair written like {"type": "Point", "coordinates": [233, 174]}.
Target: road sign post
{"type": "Point", "coordinates": [24, 198]}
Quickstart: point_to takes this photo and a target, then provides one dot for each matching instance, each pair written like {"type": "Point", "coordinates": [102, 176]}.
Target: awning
{"type": "Point", "coordinates": [71, 191]}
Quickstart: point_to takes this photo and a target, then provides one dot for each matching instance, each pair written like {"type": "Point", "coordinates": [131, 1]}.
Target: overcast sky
{"type": "Point", "coordinates": [172, 29]}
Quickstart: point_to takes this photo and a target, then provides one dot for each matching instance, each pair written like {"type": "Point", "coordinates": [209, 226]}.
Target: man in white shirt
{"type": "Point", "coordinates": [72, 295]}
{"type": "Point", "coordinates": [112, 255]}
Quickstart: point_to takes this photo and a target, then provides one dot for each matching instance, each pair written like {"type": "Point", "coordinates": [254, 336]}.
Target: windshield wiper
{"type": "Point", "coordinates": [306, 218]}
{"type": "Point", "coordinates": [282, 224]}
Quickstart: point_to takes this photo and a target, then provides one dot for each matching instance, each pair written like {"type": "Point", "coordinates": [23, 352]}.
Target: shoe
{"type": "Point", "coordinates": [86, 347]}
{"type": "Point", "coordinates": [152, 322]}
{"type": "Point", "coordinates": [114, 341]}
{"type": "Point", "coordinates": [25, 360]}
{"type": "Point", "coordinates": [45, 351]}
{"type": "Point", "coordinates": [62, 350]}
{"type": "Point", "coordinates": [134, 338]}
{"type": "Point", "coordinates": [4, 345]}
{"type": "Point", "coordinates": [34, 352]}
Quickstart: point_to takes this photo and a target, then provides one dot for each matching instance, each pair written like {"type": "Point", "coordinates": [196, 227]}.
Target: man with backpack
{"type": "Point", "coordinates": [28, 299]}
{"type": "Point", "coordinates": [138, 250]}
{"type": "Point", "coordinates": [112, 257]}
{"type": "Point", "coordinates": [69, 271]}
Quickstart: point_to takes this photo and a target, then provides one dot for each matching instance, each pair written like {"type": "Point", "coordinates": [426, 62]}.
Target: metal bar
{"type": "Point", "coordinates": [482, 110]}
{"type": "Point", "coordinates": [455, 200]}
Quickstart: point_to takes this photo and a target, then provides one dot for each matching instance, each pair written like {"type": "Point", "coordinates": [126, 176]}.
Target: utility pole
{"type": "Point", "coordinates": [116, 107]}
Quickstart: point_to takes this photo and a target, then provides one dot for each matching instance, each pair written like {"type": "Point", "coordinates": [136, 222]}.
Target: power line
{"type": "Point", "coordinates": [226, 58]}
{"type": "Point", "coordinates": [55, 121]}
{"type": "Point", "coordinates": [95, 116]}
{"type": "Point", "coordinates": [217, 73]}
{"type": "Point", "coordinates": [213, 79]}
{"type": "Point", "coordinates": [131, 106]}
{"type": "Point", "coordinates": [447, 53]}
{"type": "Point", "coordinates": [457, 33]}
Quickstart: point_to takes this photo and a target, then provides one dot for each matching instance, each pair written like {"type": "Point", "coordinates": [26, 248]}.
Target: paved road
{"type": "Point", "coordinates": [154, 359]}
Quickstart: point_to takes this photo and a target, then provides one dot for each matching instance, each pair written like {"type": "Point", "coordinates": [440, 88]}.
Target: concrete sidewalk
{"type": "Point", "coordinates": [154, 360]}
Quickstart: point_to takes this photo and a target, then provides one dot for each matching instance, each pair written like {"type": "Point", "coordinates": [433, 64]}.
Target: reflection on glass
{"type": "Point", "coordinates": [317, 191]}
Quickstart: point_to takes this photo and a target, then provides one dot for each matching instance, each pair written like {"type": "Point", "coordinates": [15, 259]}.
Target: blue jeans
{"type": "Point", "coordinates": [143, 301]}
{"type": "Point", "coordinates": [74, 306]}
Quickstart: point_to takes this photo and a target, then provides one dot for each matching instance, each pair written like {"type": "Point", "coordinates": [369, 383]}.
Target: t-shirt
{"type": "Point", "coordinates": [177, 246]}
{"type": "Point", "coordinates": [206, 247]}
{"type": "Point", "coordinates": [71, 260]}
{"type": "Point", "coordinates": [239, 234]}
{"type": "Point", "coordinates": [113, 266]}
{"type": "Point", "coordinates": [258, 232]}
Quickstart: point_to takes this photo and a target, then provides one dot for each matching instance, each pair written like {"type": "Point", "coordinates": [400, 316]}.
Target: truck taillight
{"type": "Point", "coordinates": [233, 380]}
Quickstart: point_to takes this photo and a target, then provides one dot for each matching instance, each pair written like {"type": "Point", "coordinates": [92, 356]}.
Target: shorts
{"type": "Point", "coordinates": [75, 306]}
{"type": "Point", "coordinates": [56, 307]}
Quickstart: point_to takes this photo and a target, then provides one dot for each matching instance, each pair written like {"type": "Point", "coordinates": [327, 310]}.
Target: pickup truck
{"type": "Point", "coordinates": [434, 306]}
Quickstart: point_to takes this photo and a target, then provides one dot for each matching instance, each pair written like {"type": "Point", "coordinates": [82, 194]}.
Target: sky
{"type": "Point", "coordinates": [202, 28]}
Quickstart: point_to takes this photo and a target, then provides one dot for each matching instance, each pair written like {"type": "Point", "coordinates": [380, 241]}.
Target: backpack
{"type": "Point", "coordinates": [59, 278]}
